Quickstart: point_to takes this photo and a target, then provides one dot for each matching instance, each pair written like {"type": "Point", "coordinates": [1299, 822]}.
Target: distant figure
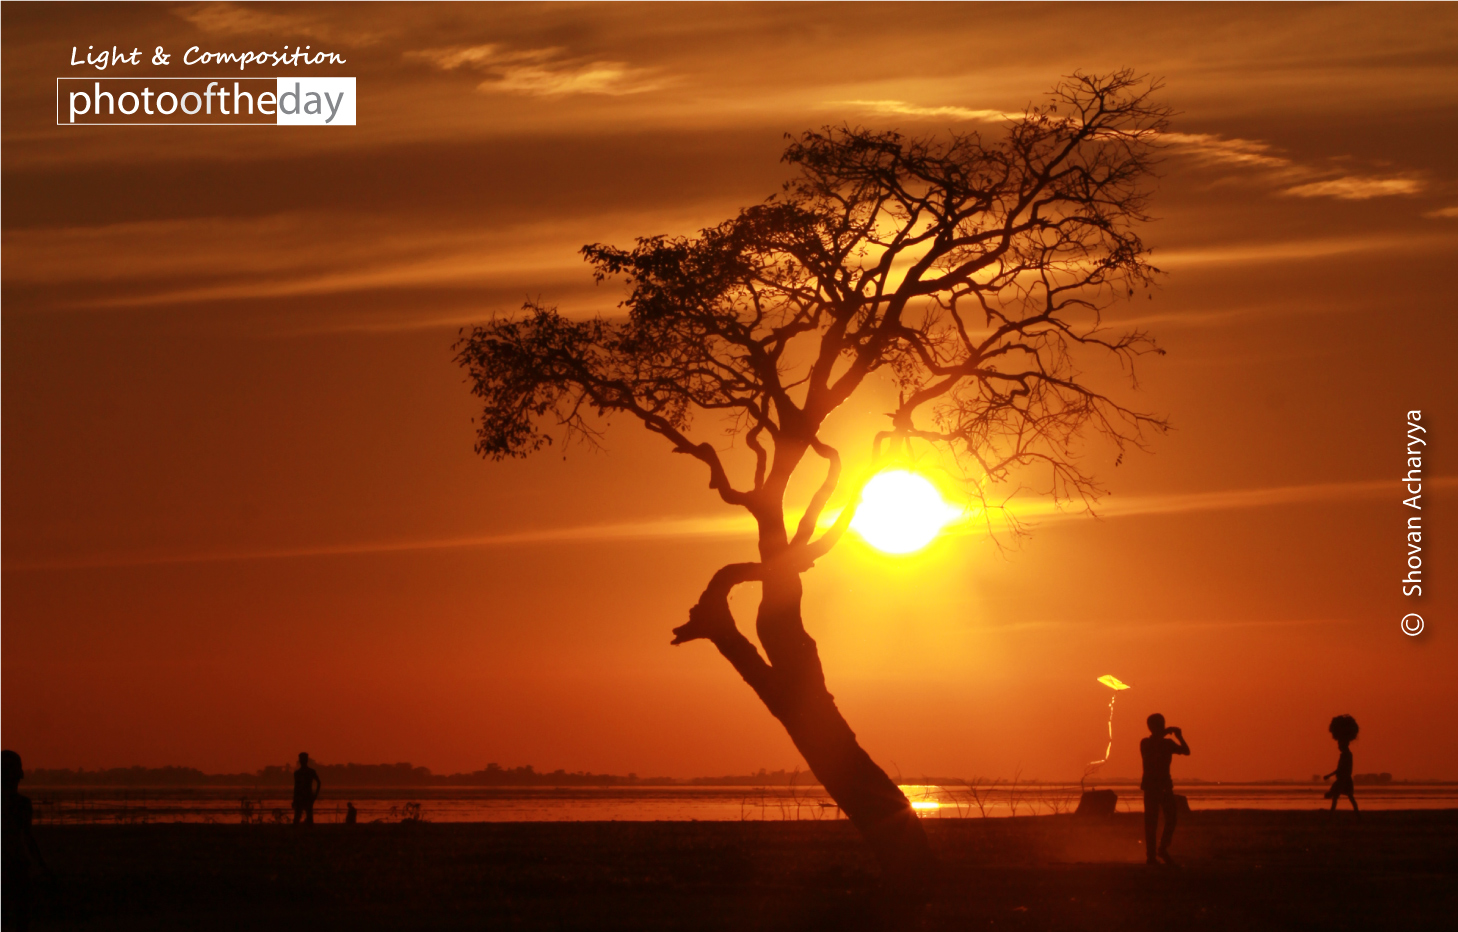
{"type": "Point", "coordinates": [306, 790]}
{"type": "Point", "coordinates": [351, 814]}
{"type": "Point", "coordinates": [19, 846]}
{"type": "Point", "coordinates": [1157, 752]}
{"type": "Point", "coordinates": [1344, 729]}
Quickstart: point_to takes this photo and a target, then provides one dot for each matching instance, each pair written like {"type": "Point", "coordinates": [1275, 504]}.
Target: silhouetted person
{"type": "Point", "coordinates": [1158, 786]}
{"type": "Point", "coordinates": [306, 790]}
{"type": "Point", "coordinates": [1344, 729]}
{"type": "Point", "coordinates": [19, 847]}
{"type": "Point", "coordinates": [351, 814]}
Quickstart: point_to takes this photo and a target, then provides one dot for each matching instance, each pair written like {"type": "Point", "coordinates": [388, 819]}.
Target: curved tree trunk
{"type": "Point", "coordinates": [792, 686]}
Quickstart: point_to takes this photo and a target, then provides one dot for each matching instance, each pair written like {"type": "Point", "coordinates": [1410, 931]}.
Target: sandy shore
{"type": "Point", "coordinates": [1238, 870]}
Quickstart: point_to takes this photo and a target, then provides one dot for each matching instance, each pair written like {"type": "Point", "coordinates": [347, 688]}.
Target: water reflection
{"type": "Point", "coordinates": [269, 805]}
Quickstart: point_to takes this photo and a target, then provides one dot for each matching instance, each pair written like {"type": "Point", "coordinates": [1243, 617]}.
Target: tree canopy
{"type": "Point", "coordinates": [972, 271]}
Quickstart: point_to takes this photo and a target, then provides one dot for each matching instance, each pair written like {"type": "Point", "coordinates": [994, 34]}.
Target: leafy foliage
{"type": "Point", "coordinates": [970, 271]}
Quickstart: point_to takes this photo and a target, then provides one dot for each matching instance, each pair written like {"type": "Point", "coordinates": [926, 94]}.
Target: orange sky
{"type": "Point", "coordinates": [242, 516]}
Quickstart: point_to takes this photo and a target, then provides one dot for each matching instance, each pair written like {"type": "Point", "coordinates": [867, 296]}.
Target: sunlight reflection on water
{"type": "Point", "coordinates": [647, 804]}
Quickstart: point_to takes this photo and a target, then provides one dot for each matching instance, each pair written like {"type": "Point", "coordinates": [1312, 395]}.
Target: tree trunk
{"type": "Point", "coordinates": [792, 686]}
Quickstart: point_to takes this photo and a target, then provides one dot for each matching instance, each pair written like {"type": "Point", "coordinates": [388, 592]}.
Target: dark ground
{"type": "Point", "coordinates": [1243, 870]}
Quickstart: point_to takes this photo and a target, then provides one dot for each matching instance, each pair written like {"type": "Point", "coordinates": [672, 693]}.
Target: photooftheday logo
{"type": "Point", "coordinates": [204, 101]}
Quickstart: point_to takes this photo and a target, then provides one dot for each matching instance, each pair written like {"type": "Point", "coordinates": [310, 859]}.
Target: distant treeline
{"type": "Point", "coordinates": [403, 774]}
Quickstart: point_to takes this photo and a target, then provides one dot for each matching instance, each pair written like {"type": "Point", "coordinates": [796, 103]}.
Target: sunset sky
{"type": "Point", "coordinates": [242, 516]}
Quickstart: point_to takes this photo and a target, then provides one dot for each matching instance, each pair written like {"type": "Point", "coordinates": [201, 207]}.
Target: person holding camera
{"type": "Point", "coordinates": [306, 790]}
{"type": "Point", "coordinates": [1157, 752]}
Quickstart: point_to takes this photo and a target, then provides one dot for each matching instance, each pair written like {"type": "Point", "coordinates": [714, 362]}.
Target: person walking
{"type": "Point", "coordinates": [1344, 729]}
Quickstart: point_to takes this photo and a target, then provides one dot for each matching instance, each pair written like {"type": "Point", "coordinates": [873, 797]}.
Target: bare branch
{"type": "Point", "coordinates": [880, 257]}
{"type": "Point", "coordinates": [822, 494]}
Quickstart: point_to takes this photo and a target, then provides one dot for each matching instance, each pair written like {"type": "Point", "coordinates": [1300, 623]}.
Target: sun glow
{"type": "Point", "coordinates": [924, 799]}
{"type": "Point", "coordinates": [901, 512]}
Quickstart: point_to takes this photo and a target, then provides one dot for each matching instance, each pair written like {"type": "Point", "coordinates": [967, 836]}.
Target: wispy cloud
{"type": "Point", "coordinates": [1040, 512]}
{"type": "Point", "coordinates": [1213, 148]}
{"type": "Point", "coordinates": [544, 72]}
{"type": "Point", "coordinates": [1294, 178]}
{"type": "Point", "coordinates": [480, 57]}
{"type": "Point", "coordinates": [460, 267]}
{"type": "Point", "coordinates": [599, 77]}
{"type": "Point", "coordinates": [664, 529]}
{"type": "Point", "coordinates": [1443, 213]}
{"type": "Point", "coordinates": [1232, 499]}
{"type": "Point", "coordinates": [232, 19]}
{"type": "Point", "coordinates": [1278, 251]}
{"type": "Point", "coordinates": [1353, 188]}
{"type": "Point", "coordinates": [731, 526]}
{"type": "Point", "coordinates": [156, 263]}
{"type": "Point", "coordinates": [280, 256]}
{"type": "Point", "coordinates": [902, 108]}
{"type": "Point", "coordinates": [1184, 624]}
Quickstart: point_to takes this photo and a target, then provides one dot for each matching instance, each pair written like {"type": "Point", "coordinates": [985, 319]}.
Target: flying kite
{"type": "Point", "coordinates": [1114, 683]}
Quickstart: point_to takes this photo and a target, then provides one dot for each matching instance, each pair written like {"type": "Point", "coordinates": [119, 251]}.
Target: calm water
{"type": "Point", "coordinates": [647, 804]}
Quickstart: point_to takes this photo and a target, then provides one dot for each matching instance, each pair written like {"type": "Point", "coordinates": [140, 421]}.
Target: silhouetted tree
{"type": "Point", "coordinates": [969, 271]}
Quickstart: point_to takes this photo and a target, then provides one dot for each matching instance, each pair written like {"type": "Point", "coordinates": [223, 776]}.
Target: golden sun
{"type": "Point", "coordinates": [900, 512]}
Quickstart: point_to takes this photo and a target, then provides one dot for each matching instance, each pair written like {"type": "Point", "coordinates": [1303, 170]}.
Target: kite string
{"type": "Point", "coordinates": [1108, 751]}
